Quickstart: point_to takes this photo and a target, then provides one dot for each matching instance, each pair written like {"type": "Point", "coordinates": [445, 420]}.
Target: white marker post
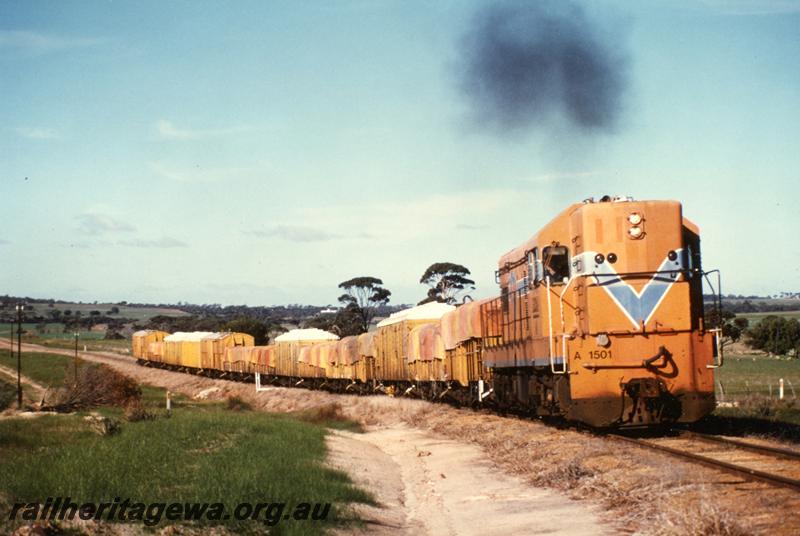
{"type": "Point", "coordinates": [258, 383]}
{"type": "Point", "coordinates": [780, 389]}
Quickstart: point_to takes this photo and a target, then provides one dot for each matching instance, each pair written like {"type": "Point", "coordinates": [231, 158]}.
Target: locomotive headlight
{"type": "Point", "coordinates": [635, 218]}
{"type": "Point", "coordinates": [635, 232]}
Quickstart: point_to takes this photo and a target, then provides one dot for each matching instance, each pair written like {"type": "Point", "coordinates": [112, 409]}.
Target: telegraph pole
{"type": "Point", "coordinates": [19, 354]}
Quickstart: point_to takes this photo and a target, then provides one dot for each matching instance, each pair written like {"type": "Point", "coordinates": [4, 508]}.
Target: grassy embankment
{"type": "Point", "coordinates": [47, 369]}
{"type": "Point", "coordinates": [204, 452]}
{"type": "Point", "coordinates": [751, 383]}
{"type": "Point", "coordinates": [8, 393]}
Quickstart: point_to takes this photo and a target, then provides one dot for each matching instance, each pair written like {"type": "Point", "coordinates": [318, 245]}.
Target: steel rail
{"type": "Point", "coordinates": [746, 472]}
{"type": "Point", "coordinates": [760, 449]}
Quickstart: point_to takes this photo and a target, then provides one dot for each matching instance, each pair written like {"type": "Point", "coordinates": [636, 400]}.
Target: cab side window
{"type": "Point", "coordinates": [555, 261]}
{"type": "Point", "coordinates": [533, 276]}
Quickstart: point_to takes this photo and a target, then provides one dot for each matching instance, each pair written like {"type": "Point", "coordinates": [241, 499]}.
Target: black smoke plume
{"type": "Point", "coordinates": [529, 64]}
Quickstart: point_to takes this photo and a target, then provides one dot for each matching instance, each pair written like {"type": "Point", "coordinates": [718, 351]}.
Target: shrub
{"type": "Point", "coordinates": [322, 414]}
{"type": "Point", "coordinates": [776, 335]}
{"type": "Point", "coordinates": [235, 403]}
{"type": "Point", "coordinates": [135, 412]}
{"type": "Point", "coordinates": [96, 385]}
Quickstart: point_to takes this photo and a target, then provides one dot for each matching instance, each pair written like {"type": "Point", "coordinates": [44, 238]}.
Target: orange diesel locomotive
{"type": "Point", "coordinates": [600, 320]}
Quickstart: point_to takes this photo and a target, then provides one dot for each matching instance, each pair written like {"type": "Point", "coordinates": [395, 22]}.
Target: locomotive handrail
{"type": "Point", "coordinates": [651, 274]}
{"type": "Point", "coordinates": [550, 355]}
{"type": "Point", "coordinates": [644, 272]}
{"type": "Point", "coordinates": [564, 325]}
{"type": "Point", "coordinates": [718, 359]}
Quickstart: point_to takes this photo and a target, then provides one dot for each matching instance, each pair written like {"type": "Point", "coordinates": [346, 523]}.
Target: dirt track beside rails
{"type": "Point", "coordinates": [638, 491]}
{"type": "Point", "coordinates": [446, 487]}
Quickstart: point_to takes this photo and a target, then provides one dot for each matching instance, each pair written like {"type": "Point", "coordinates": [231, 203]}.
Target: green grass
{"type": "Point", "coordinates": [51, 330]}
{"type": "Point", "coordinates": [121, 346]}
{"type": "Point", "coordinates": [54, 338]}
{"type": "Point", "coordinates": [746, 381]}
{"type": "Point", "coordinates": [747, 375]}
{"type": "Point", "coordinates": [125, 311]}
{"type": "Point", "coordinates": [202, 453]}
{"type": "Point", "coordinates": [47, 369]}
{"type": "Point", "coordinates": [8, 393]}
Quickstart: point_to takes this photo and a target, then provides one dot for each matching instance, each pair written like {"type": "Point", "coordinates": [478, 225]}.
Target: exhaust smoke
{"type": "Point", "coordinates": [526, 66]}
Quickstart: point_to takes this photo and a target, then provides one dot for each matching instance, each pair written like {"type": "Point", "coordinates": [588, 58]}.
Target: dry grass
{"type": "Point", "coordinates": [764, 406]}
{"type": "Point", "coordinates": [135, 411]}
{"type": "Point", "coordinates": [323, 413]}
{"type": "Point", "coordinates": [704, 518]}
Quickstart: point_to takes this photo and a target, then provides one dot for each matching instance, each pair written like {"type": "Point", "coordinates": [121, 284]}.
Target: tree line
{"type": "Point", "coordinates": [364, 295]}
{"type": "Point", "coordinates": [773, 334]}
{"type": "Point", "coordinates": [363, 298]}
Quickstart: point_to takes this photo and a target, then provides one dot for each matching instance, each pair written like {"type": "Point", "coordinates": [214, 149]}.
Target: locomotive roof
{"type": "Point", "coordinates": [520, 251]}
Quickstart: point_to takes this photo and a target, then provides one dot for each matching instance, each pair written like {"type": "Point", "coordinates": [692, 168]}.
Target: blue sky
{"type": "Point", "coordinates": [262, 152]}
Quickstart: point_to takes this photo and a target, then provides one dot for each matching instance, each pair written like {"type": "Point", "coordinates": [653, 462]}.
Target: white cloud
{"type": "Point", "coordinates": [163, 243]}
{"type": "Point", "coordinates": [295, 233]}
{"type": "Point", "coordinates": [409, 219]}
{"type": "Point", "coordinates": [562, 176]}
{"type": "Point", "coordinates": [37, 133]}
{"type": "Point", "coordinates": [169, 131]}
{"type": "Point", "coordinates": [97, 223]}
{"type": "Point", "coordinates": [39, 43]}
{"type": "Point", "coordinates": [197, 173]}
{"type": "Point", "coordinates": [471, 227]}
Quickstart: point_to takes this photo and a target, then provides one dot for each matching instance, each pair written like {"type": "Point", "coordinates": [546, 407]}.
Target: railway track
{"type": "Point", "coordinates": [751, 461]}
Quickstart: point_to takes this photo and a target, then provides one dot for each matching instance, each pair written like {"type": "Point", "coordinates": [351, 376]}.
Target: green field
{"type": "Point", "coordinates": [754, 318]}
{"type": "Point", "coordinates": [751, 384]}
{"type": "Point", "coordinates": [53, 336]}
{"type": "Point", "coordinates": [202, 453]}
{"type": "Point", "coordinates": [746, 375]}
{"type": "Point", "coordinates": [46, 369]}
{"type": "Point", "coordinates": [8, 393]}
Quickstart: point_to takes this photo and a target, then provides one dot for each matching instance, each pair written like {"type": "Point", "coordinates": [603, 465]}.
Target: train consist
{"type": "Point", "coordinates": [600, 320]}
